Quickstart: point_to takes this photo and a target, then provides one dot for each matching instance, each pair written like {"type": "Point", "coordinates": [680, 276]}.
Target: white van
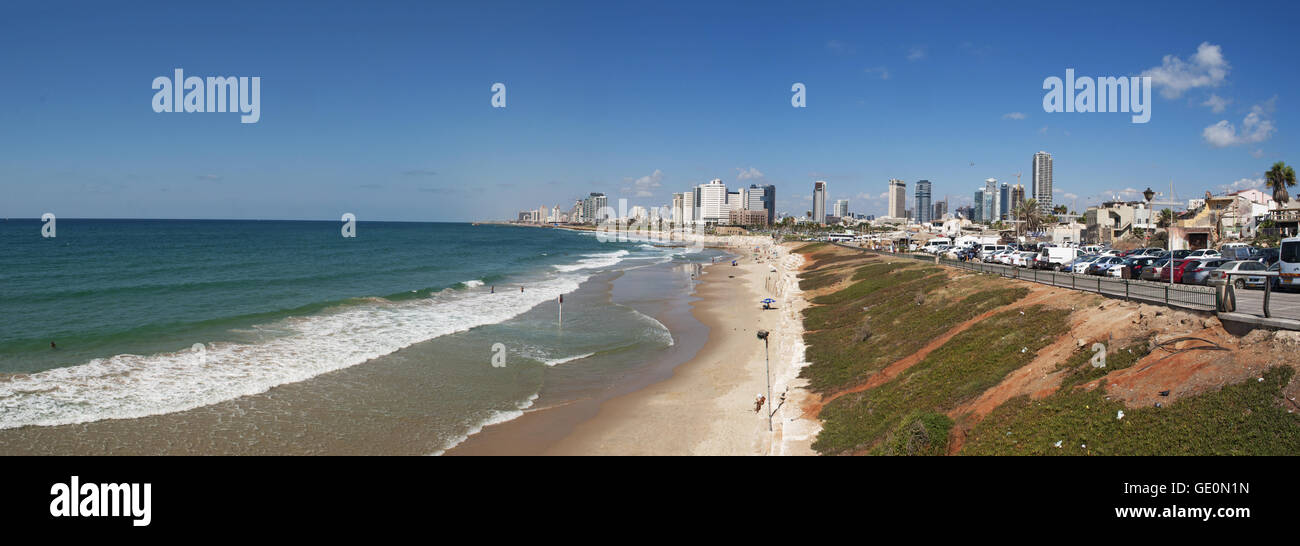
{"type": "Point", "coordinates": [1055, 257]}
{"type": "Point", "coordinates": [932, 246]}
{"type": "Point", "coordinates": [1289, 263]}
{"type": "Point", "coordinates": [987, 251]}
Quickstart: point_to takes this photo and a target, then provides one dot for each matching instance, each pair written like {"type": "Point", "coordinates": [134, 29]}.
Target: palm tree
{"type": "Point", "coordinates": [1278, 178]}
{"type": "Point", "coordinates": [1165, 219]}
{"type": "Point", "coordinates": [1029, 216]}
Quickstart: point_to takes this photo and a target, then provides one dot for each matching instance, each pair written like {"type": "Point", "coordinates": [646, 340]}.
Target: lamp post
{"type": "Point", "coordinates": [767, 372]}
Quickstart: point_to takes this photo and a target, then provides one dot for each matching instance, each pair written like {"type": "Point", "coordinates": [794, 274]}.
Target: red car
{"type": "Point", "coordinates": [1178, 270]}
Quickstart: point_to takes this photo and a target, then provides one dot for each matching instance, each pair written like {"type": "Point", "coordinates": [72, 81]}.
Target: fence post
{"type": "Point", "coordinates": [1125, 288]}
{"type": "Point", "coordinates": [1166, 295]}
{"type": "Point", "coordinates": [1268, 289]}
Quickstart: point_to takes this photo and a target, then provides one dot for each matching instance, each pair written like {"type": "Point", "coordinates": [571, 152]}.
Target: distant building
{"type": "Point", "coordinates": [991, 200]}
{"type": "Point", "coordinates": [594, 208]}
{"type": "Point", "coordinates": [713, 202]}
{"type": "Point", "coordinates": [1042, 188]}
{"type": "Point", "coordinates": [977, 214]}
{"type": "Point", "coordinates": [748, 218]}
{"type": "Point", "coordinates": [1017, 198]}
{"type": "Point", "coordinates": [841, 208]}
{"type": "Point", "coordinates": [819, 202]}
{"type": "Point", "coordinates": [940, 209]}
{"type": "Point", "coordinates": [897, 198]}
{"type": "Point", "coordinates": [923, 210]}
{"type": "Point", "coordinates": [678, 210]}
{"type": "Point", "coordinates": [763, 198]}
{"type": "Point", "coordinates": [1004, 202]}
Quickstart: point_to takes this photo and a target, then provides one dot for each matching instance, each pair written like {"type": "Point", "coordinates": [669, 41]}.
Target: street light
{"type": "Point", "coordinates": [767, 371]}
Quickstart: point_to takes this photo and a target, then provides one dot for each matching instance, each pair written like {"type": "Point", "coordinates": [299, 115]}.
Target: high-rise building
{"type": "Point", "coordinates": [763, 198]}
{"type": "Point", "coordinates": [713, 202]}
{"type": "Point", "coordinates": [1042, 188]}
{"type": "Point", "coordinates": [1004, 202]}
{"type": "Point", "coordinates": [679, 202]}
{"type": "Point", "coordinates": [1017, 198]}
{"type": "Point", "coordinates": [819, 202]}
{"type": "Point", "coordinates": [923, 211]}
{"type": "Point", "coordinates": [940, 209]}
{"type": "Point", "coordinates": [897, 198]}
{"type": "Point", "coordinates": [841, 208]}
{"type": "Point", "coordinates": [978, 215]}
{"type": "Point", "coordinates": [991, 200]}
{"type": "Point", "coordinates": [593, 208]}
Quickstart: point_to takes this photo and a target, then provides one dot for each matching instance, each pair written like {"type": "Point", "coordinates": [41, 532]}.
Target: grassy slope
{"type": "Point", "coordinates": [1242, 419]}
{"type": "Point", "coordinates": [965, 366]}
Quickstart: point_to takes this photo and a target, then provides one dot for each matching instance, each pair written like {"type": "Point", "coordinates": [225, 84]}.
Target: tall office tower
{"type": "Point", "coordinates": [735, 201]}
{"type": "Point", "coordinates": [897, 198]}
{"type": "Point", "coordinates": [923, 211]}
{"type": "Point", "coordinates": [713, 202]}
{"type": "Point", "coordinates": [679, 202]}
{"type": "Point", "coordinates": [978, 206]}
{"type": "Point", "coordinates": [940, 209]}
{"type": "Point", "coordinates": [990, 200]}
{"type": "Point", "coordinates": [763, 198]}
{"type": "Point", "coordinates": [819, 202]}
{"type": "Point", "coordinates": [688, 208]}
{"type": "Point", "coordinates": [593, 208]}
{"type": "Point", "coordinates": [1004, 202]}
{"type": "Point", "coordinates": [1042, 188]}
{"type": "Point", "coordinates": [1017, 198]}
{"type": "Point", "coordinates": [841, 208]}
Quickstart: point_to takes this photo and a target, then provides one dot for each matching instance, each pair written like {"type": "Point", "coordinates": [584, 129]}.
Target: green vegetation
{"type": "Point", "coordinates": [886, 297]}
{"type": "Point", "coordinates": [967, 365]}
{"type": "Point", "coordinates": [921, 433]}
{"type": "Point", "coordinates": [1080, 363]}
{"type": "Point", "coordinates": [1243, 419]}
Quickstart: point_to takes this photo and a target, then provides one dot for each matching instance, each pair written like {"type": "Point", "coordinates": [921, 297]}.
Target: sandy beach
{"type": "Point", "coordinates": [707, 406]}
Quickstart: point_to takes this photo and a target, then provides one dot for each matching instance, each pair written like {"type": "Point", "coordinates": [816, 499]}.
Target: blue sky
{"type": "Point", "coordinates": [383, 109]}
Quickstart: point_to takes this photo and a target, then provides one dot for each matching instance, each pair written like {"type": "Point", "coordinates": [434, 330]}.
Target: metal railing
{"type": "Point", "coordinates": [1200, 298]}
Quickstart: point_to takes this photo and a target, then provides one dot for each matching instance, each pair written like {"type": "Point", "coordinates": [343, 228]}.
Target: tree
{"type": "Point", "coordinates": [1165, 219]}
{"type": "Point", "coordinates": [1027, 213]}
{"type": "Point", "coordinates": [1060, 209]}
{"type": "Point", "coordinates": [1278, 179]}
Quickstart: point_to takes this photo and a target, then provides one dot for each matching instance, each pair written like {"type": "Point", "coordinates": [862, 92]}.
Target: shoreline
{"type": "Point", "coordinates": [705, 406]}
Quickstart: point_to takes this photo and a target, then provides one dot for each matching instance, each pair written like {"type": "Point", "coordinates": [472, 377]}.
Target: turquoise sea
{"type": "Point", "coordinates": [158, 318]}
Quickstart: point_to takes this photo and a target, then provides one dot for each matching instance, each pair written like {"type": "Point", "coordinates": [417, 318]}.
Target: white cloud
{"type": "Point", "coordinates": [642, 187]}
{"type": "Point", "coordinates": [1256, 127]}
{"type": "Point", "coordinates": [1207, 68]}
{"type": "Point", "coordinates": [1071, 196]}
{"type": "Point", "coordinates": [1243, 184]}
{"type": "Point", "coordinates": [883, 71]}
{"type": "Point", "coordinates": [1257, 154]}
{"type": "Point", "coordinates": [1014, 115]}
{"type": "Point", "coordinates": [916, 54]}
{"type": "Point", "coordinates": [1216, 103]}
{"type": "Point", "coordinates": [748, 174]}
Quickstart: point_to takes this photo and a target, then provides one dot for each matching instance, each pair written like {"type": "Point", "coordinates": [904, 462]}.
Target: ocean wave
{"type": "Point", "coordinates": [130, 386]}
{"type": "Point", "coordinates": [472, 284]}
{"type": "Point", "coordinates": [558, 361]}
{"type": "Point", "coordinates": [495, 418]}
{"type": "Point", "coordinates": [594, 261]}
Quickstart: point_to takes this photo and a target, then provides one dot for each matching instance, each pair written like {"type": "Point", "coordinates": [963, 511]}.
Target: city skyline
{"type": "Point", "coordinates": [589, 110]}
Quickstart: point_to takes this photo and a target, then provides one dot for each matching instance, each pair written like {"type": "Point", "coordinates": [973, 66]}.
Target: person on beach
{"type": "Point", "coordinates": [492, 289]}
{"type": "Point", "coordinates": [52, 345]}
{"type": "Point", "coordinates": [521, 290]}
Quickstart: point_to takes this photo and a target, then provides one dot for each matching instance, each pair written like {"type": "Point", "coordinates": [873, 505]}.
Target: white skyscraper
{"type": "Point", "coordinates": [897, 199]}
{"type": "Point", "coordinates": [992, 200]}
{"type": "Point", "coordinates": [1042, 182]}
{"type": "Point", "coordinates": [841, 208]}
{"type": "Point", "coordinates": [679, 202]}
{"type": "Point", "coordinates": [713, 202]}
{"type": "Point", "coordinates": [819, 202]}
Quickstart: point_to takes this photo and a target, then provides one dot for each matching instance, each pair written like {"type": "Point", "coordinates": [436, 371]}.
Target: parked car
{"type": "Point", "coordinates": [1221, 275]}
{"type": "Point", "coordinates": [1235, 252]}
{"type": "Point", "coordinates": [1024, 258]}
{"type": "Point", "coordinates": [1080, 265]}
{"type": "Point", "coordinates": [1103, 264]}
{"type": "Point", "coordinates": [1177, 270]}
{"type": "Point", "coordinates": [1199, 272]}
{"type": "Point", "coordinates": [1289, 258]}
{"type": "Point", "coordinates": [1204, 253]}
{"type": "Point", "coordinates": [1267, 256]}
{"type": "Point", "coordinates": [1134, 265]}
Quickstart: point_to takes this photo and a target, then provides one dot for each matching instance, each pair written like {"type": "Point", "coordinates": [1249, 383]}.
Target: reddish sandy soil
{"type": "Point", "coordinates": [1194, 354]}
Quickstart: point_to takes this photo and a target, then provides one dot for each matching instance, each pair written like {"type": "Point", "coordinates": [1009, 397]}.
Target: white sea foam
{"type": "Point", "coordinates": [130, 386]}
{"type": "Point", "coordinates": [494, 418]}
{"type": "Point", "coordinates": [558, 361]}
{"type": "Point", "coordinates": [594, 261]}
{"type": "Point", "coordinates": [473, 284]}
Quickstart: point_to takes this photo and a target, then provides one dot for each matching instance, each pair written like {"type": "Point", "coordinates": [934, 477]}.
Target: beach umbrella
{"type": "Point", "coordinates": [768, 300]}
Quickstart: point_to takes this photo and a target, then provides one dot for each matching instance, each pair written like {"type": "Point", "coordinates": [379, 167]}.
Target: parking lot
{"type": "Point", "coordinates": [1202, 298]}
